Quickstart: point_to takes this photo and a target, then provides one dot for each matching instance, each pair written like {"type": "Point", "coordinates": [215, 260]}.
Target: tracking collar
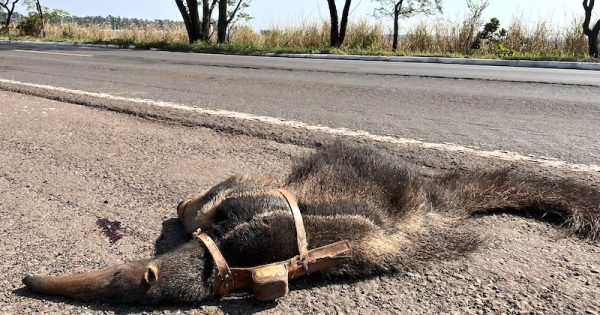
{"type": "Point", "coordinates": [270, 282]}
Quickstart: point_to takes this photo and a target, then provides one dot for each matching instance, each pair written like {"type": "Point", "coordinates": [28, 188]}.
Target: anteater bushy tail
{"type": "Point", "coordinates": [574, 206]}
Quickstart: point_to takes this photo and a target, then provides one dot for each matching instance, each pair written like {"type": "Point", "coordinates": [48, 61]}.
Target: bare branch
{"type": "Point", "coordinates": [5, 3]}
{"type": "Point", "coordinates": [212, 6]}
{"type": "Point", "coordinates": [588, 6]}
{"type": "Point", "coordinates": [234, 12]}
{"type": "Point", "coordinates": [344, 22]}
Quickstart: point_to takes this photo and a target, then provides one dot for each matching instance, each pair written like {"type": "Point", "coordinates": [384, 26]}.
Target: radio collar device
{"type": "Point", "coordinates": [270, 282]}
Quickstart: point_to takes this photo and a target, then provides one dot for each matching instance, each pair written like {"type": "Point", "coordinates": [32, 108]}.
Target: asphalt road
{"type": "Point", "coordinates": [547, 112]}
{"type": "Point", "coordinates": [64, 167]}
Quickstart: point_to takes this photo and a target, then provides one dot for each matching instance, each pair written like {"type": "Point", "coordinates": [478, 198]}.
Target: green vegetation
{"type": "Point", "coordinates": [440, 39]}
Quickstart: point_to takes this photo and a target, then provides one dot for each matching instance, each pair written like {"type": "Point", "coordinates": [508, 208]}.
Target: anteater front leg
{"type": "Point", "coordinates": [196, 212]}
{"type": "Point", "coordinates": [200, 210]}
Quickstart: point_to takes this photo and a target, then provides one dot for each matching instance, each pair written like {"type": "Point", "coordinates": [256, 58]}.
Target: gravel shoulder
{"type": "Point", "coordinates": [63, 167]}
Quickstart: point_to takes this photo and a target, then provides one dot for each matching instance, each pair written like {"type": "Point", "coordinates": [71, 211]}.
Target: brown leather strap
{"type": "Point", "coordinates": [222, 266]}
{"type": "Point", "coordinates": [300, 231]}
{"type": "Point", "coordinates": [322, 258]}
{"type": "Point", "coordinates": [318, 259]}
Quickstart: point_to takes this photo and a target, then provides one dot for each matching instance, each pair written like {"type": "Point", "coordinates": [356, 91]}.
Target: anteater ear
{"type": "Point", "coordinates": [151, 274]}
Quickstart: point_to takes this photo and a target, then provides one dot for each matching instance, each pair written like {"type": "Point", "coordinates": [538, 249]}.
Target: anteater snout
{"type": "Point", "coordinates": [30, 282]}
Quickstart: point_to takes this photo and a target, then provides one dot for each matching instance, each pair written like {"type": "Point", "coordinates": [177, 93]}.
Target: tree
{"type": "Point", "coordinates": [491, 38]}
{"type": "Point", "coordinates": [338, 28]}
{"type": "Point", "coordinates": [9, 6]}
{"type": "Point", "coordinates": [40, 12]}
{"type": "Point", "coordinates": [592, 34]}
{"type": "Point", "coordinates": [230, 11]}
{"type": "Point", "coordinates": [222, 22]}
{"type": "Point", "coordinates": [35, 8]}
{"type": "Point", "coordinates": [208, 7]}
{"type": "Point", "coordinates": [405, 8]}
{"type": "Point", "coordinates": [56, 16]}
{"type": "Point", "coordinates": [191, 18]}
{"type": "Point", "coordinates": [200, 29]}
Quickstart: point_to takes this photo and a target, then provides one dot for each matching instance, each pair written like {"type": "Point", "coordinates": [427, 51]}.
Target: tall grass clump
{"type": "Point", "coordinates": [365, 36]}
{"type": "Point", "coordinates": [540, 39]}
{"type": "Point", "coordinates": [245, 36]}
{"type": "Point", "coordinates": [307, 35]}
{"type": "Point", "coordinates": [575, 42]}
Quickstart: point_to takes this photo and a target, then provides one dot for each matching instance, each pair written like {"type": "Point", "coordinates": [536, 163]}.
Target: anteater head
{"type": "Point", "coordinates": [180, 275]}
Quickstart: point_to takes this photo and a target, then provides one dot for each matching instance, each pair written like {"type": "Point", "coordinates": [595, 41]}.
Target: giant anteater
{"type": "Point", "coordinates": [393, 216]}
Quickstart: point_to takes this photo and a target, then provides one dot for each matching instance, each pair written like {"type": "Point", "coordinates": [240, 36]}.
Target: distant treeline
{"type": "Point", "coordinates": [57, 17]}
{"type": "Point", "coordinates": [115, 22]}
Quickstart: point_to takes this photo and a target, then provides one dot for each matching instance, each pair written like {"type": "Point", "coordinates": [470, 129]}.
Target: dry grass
{"type": "Point", "coordinates": [308, 35]}
{"type": "Point", "coordinates": [443, 38]}
{"type": "Point", "coordinates": [100, 34]}
{"type": "Point", "coordinates": [535, 40]}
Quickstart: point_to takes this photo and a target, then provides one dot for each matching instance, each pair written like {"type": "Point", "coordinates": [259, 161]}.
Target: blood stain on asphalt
{"type": "Point", "coordinates": [111, 229]}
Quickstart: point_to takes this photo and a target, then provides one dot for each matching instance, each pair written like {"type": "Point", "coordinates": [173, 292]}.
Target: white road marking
{"type": "Point", "coordinates": [52, 53]}
{"type": "Point", "coordinates": [446, 147]}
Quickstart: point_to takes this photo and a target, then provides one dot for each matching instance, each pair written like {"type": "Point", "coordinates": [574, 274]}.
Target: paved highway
{"type": "Point", "coordinates": [67, 171]}
{"type": "Point", "coordinates": [548, 112]}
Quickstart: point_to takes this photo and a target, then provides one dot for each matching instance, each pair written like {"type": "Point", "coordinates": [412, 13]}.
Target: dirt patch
{"type": "Point", "coordinates": [65, 166]}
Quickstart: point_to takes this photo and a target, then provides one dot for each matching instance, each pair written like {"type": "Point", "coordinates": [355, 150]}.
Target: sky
{"type": "Point", "coordinates": [269, 13]}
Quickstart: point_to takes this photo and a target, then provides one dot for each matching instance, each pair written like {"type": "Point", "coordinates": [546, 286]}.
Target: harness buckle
{"type": "Point", "coordinates": [270, 282]}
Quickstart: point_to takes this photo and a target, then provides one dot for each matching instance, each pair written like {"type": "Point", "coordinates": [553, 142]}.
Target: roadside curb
{"type": "Point", "coordinates": [440, 60]}
{"type": "Point", "coordinates": [458, 61]}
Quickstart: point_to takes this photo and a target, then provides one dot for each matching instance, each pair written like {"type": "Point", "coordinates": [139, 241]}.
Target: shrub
{"type": "Point", "coordinates": [30, 26]}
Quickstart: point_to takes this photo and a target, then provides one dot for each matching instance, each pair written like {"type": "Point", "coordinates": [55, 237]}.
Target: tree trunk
{"type": "Point", "coordinates": [222, 22]}
{"type": "Point", "coordinates": [338, 28]}
{"type": "Point", "coordinates": [190, 20]}
{"type": "Point", "coordinates": [593, 42]}
{"type": "Point", "coordinates": [7, 23]}
{"type": "Point", "coordinates": [344, 22]}
{"type": "Point", "coordinates": [41, 15]}
{"type": "Point", "coordinates": [333, 42]}
{"type": "Point", "coordinates": [194, 19]}
{"type": "Point", "coordinates": [591, 33]}
{"type": "Point", "coordinates": [397, 12]}
{"type": "Point", "coordinates": [396, 30]}
{"type": "Point", "coordinates": [206, 15]}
